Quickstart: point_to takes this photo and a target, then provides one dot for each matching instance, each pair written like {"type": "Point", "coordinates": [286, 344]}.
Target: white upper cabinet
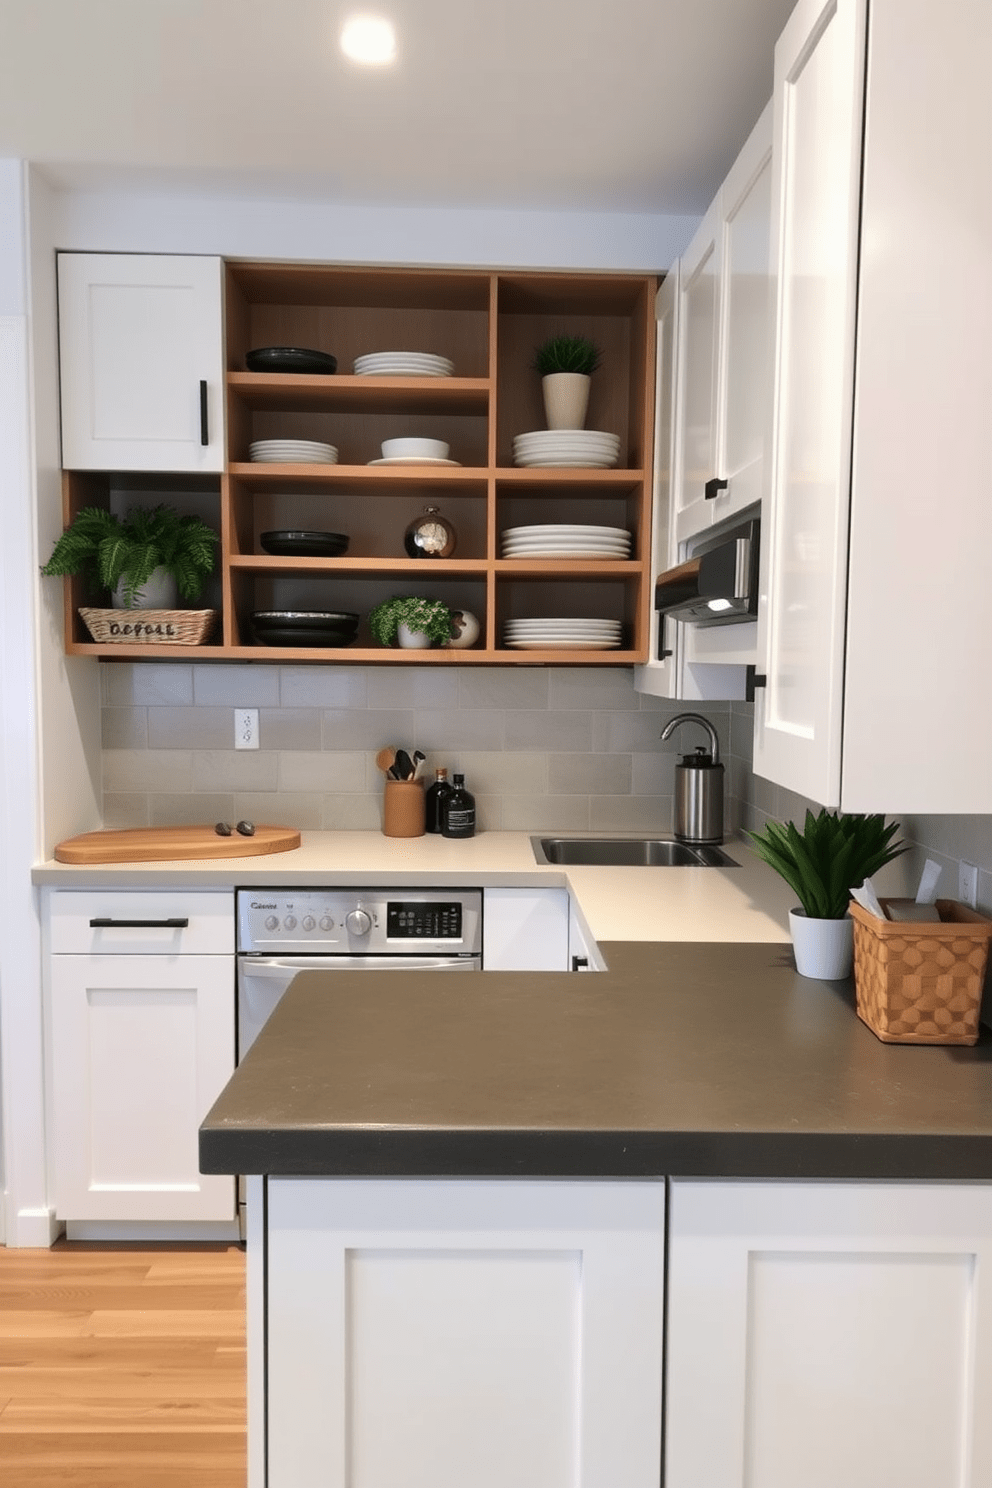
{"type": "Point", "coordinates": [141, 356]}
{"type": "Point", "coordinates": [877, 517]}
{"type": "Point", "coordinates": [697, 366]}
{"type": "Point", "coordinates": [659, 675]}
{"type": "Point", "coordinates": [804, 516]}
{"type": "Point", "coordinates": [723, 346]}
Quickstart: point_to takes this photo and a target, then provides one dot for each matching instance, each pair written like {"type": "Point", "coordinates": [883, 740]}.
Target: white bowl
{"type": "Point", "coordinates": [415, 449]}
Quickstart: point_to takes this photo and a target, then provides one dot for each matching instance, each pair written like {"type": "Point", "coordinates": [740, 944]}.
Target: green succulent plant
{"type": "Point", "coordinates": [834, 853]}
{"type": "Point", "coordinates": [429, 617]}
{"type": "Point", "coordinates": [567, 354]}
{"type": "Point", "coordinates": [110, 549]}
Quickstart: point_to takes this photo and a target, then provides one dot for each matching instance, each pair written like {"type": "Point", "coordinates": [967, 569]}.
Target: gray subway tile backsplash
{"type": "Point", "coordinates": [542, 748]}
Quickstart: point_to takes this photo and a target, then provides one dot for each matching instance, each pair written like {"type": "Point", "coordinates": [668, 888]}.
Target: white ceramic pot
{"type": "Point", "coordinates": [824, 949]}
{"type": "Point", "coordinates": [566, 398]}
{"type": "Point", "coordinates": [412, 640]}
{"type": "Point", "coordinates": [159, 593]}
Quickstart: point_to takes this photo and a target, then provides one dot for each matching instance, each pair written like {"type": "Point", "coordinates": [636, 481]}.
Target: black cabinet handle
{"type": "Point", "coordinates": [107, 924]}
{"type": "Point", "coordinates": [578, 962]}
{"type": "Point", "coordinates": [204, 432]}
{"type": "Point", "coordinates": [713, 488]}
{"type": "Point", "coordinates": [752, 679]}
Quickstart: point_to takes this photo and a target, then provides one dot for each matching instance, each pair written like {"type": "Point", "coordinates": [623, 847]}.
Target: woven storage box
{"type": "Point", "coordinates": [921, 983]}
{"type": "Point", "coordinates": [150, 627]}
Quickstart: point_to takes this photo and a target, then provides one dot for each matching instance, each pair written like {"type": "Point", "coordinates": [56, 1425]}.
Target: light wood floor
{"type": "Point", "coordinates": [122, 1367]}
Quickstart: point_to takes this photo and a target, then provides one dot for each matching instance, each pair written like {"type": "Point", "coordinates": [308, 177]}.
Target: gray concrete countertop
{"type": "Point", "coordinates": [682, 1059]}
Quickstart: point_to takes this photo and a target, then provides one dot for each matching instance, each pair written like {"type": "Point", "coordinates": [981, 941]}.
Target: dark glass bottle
{"type": "Point", "coordinates": [458, 811]}
{"type": "Point", "coordinates": [434, 798]}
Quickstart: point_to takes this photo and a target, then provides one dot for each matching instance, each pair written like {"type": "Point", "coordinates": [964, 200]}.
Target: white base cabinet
{"type": "Point", "coordinates": [438, 1334]}
{"type": "Point", "coordinates": [141, 1017]}
{"type": "Point", "coordinates": [828, 1334]}
{"type": "Point", "coordinates": [525, 930]}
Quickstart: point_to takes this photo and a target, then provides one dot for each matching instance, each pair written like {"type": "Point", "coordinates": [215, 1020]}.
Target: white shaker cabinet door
{"type": "Point", "coordinates": [525, 930]}
{"type": "Point", "coordinates": [697, 375]}
{"type": "Point", "coordinates": [746, 204]}
{"type": "Point", "coordinates": [444, 1334]}
{"type": "Point", "coordinates": [141, 1048]}
{"type": "Point", "coordinates": [141, 359]}
{"type": "Point", "coordinates": [829, 1335]}
{"type": "Point", "coordinates": [659, 675]}
{"type": "Point", "coordinates": [818, 99]}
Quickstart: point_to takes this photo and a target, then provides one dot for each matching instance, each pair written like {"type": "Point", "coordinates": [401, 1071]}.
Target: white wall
{"type": "Point", "coordinates": [104, 222]}
{"type": "Point", "coordinates": [24, 1214]}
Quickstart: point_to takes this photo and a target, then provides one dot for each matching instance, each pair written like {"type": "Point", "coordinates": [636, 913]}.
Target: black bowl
{"type": "Point", "coordinates": [305, 635]}
{"type": "Point", "coordinates": [304, 544]}
{"type": "Point", "coordinates": [290, 359]}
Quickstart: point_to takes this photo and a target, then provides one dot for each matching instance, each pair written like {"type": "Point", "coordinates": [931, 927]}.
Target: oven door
{"type": "Point", "coordinates": [262, 980]}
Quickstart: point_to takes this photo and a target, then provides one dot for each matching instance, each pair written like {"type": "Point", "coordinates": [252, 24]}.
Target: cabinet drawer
{"type": "Point", "coordinates": [140, 922]}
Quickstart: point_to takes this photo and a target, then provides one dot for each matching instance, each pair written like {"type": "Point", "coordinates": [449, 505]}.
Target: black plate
{"type": "Point", "coordinates": [290, 359]}
{"type": "Point", "coordinates": [313, 619]}
{"type": "Point", "coordinates": [305, 544]}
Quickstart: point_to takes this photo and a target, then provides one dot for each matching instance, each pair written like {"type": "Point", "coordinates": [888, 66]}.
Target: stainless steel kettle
{"type": "Point", "coordinates": [698, 786]}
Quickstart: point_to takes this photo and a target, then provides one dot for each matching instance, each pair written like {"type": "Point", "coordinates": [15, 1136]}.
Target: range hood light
{"type": "Point", "coordinates": [719, 604]}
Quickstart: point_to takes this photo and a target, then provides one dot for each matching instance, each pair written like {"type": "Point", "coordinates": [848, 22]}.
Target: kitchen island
{"type": "Point", "coordinates": [482, 1216]}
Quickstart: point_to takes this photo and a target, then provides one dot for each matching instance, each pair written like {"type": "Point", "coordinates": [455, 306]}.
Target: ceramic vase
{"type": "Point", "coordinates": [824, 949]}
{"type": "Point", "coordinates": [159, 592]}
{"type": "Point", "coordinates": [466, 629]}
{"type": "Point", "coordinates": [566, 398]}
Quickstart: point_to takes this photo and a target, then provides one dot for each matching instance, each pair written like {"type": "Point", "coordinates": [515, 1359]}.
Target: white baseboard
{"type": "Point", "coordinates": [223, 1231]}
{"type": "Point", "coordinates": [30, 1228]}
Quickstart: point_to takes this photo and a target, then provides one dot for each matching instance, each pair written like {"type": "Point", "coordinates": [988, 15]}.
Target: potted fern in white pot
{"type": "Point", "coordinates": [833, 854]}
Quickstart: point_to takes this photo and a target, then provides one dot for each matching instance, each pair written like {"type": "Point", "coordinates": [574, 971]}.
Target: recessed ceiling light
{"type": "Point", "coordinates": [370, 39]}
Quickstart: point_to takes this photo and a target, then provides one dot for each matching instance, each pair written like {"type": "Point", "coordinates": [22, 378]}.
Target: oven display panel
{"type": "Point", "coordinates": [420, 921]}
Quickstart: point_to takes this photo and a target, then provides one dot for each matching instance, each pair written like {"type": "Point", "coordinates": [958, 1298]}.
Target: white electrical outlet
{"type": "Point", "coordinates": [968, 884]}
{"type": "Point", "coordinates": [246, 728]}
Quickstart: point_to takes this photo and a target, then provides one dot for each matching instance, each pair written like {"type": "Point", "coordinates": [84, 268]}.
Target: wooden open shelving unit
{"type": "Point", "coordinates": [488, 324]}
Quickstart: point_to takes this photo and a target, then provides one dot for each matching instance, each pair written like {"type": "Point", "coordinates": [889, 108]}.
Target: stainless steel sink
{"type": "Point", "coordinates": [627, 852]}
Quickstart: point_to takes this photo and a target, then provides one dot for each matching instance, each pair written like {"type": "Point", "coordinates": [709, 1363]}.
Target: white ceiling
{"type": "Point", "coordinates": [565, 105]}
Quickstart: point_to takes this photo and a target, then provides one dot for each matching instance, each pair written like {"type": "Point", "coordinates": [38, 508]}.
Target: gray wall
{"type": "Point", "coordinates": [543, 748]}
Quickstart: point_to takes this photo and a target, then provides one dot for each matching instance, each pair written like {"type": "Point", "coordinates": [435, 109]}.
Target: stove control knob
{"type": "Point", "coordinates": [308, 922]}
{"type": "Point", "coordinates": [289, 923]}
{"type": "Point", "coordinates": [359, 922]}
{"type": "Point", "coordinates": [271, 923]}
{"type": "Point", "coordinates": [326, 923]}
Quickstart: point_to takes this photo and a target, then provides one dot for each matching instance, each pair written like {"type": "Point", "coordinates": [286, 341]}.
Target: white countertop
{"type": "Point", "coordinates": [747, 903]}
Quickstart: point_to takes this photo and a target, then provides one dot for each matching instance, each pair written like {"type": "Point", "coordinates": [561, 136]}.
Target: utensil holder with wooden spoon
{"type": "Point", "coordinates": [403, 809]}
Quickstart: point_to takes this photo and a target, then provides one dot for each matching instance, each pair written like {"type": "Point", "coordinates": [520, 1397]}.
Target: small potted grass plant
{"type": "Point", "coordinates": [566, 365]}
{"type": "Point", "coordinates": [144, 559]}
{"type": "Point", "coordinates": [411, 622]}
{"type": "Point", "coordinates": [833, 854]}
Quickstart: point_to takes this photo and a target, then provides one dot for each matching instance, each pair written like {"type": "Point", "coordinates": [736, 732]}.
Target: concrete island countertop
{"type": "Point", "coordinates": [680, 1059]}
{"type": "Point", "coordinates": [746, 903]}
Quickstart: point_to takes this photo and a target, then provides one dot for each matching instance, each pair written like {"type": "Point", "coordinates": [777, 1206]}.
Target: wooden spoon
{"type": "Point", "coordinates": [385, 759]}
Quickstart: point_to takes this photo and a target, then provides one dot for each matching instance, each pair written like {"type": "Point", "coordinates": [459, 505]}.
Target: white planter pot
{"type": "Point", "coordinates": [824, 949]}
{"type": "Point", "coordinates": [412, 640]}
{"type": "Point", "coordinates": [566, 398]}
{"type": "Point", "coordinates": [159, 593]}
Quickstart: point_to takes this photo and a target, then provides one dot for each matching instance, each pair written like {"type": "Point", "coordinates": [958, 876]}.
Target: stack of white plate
{"type": "Point", "coordinates": [566, 540]}
{"type": "Point", "coordinates": [292, 452]}
{"type": "Point", "coordinates": [569, 634]}
{"type": "Point", "coordinates": [572, 447]}
{"type": "Point", "coordinates": [403, 364]}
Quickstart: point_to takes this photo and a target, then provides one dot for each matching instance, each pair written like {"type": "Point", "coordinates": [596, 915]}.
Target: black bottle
{"type": "Point", "coordinates": [434, 798]}
{"type": "Point", "coordinates": [458, 811]}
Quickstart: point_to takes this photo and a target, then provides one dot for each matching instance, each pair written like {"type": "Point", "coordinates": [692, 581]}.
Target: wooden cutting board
{"type": "Point", "coordinates": [165, 844]}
